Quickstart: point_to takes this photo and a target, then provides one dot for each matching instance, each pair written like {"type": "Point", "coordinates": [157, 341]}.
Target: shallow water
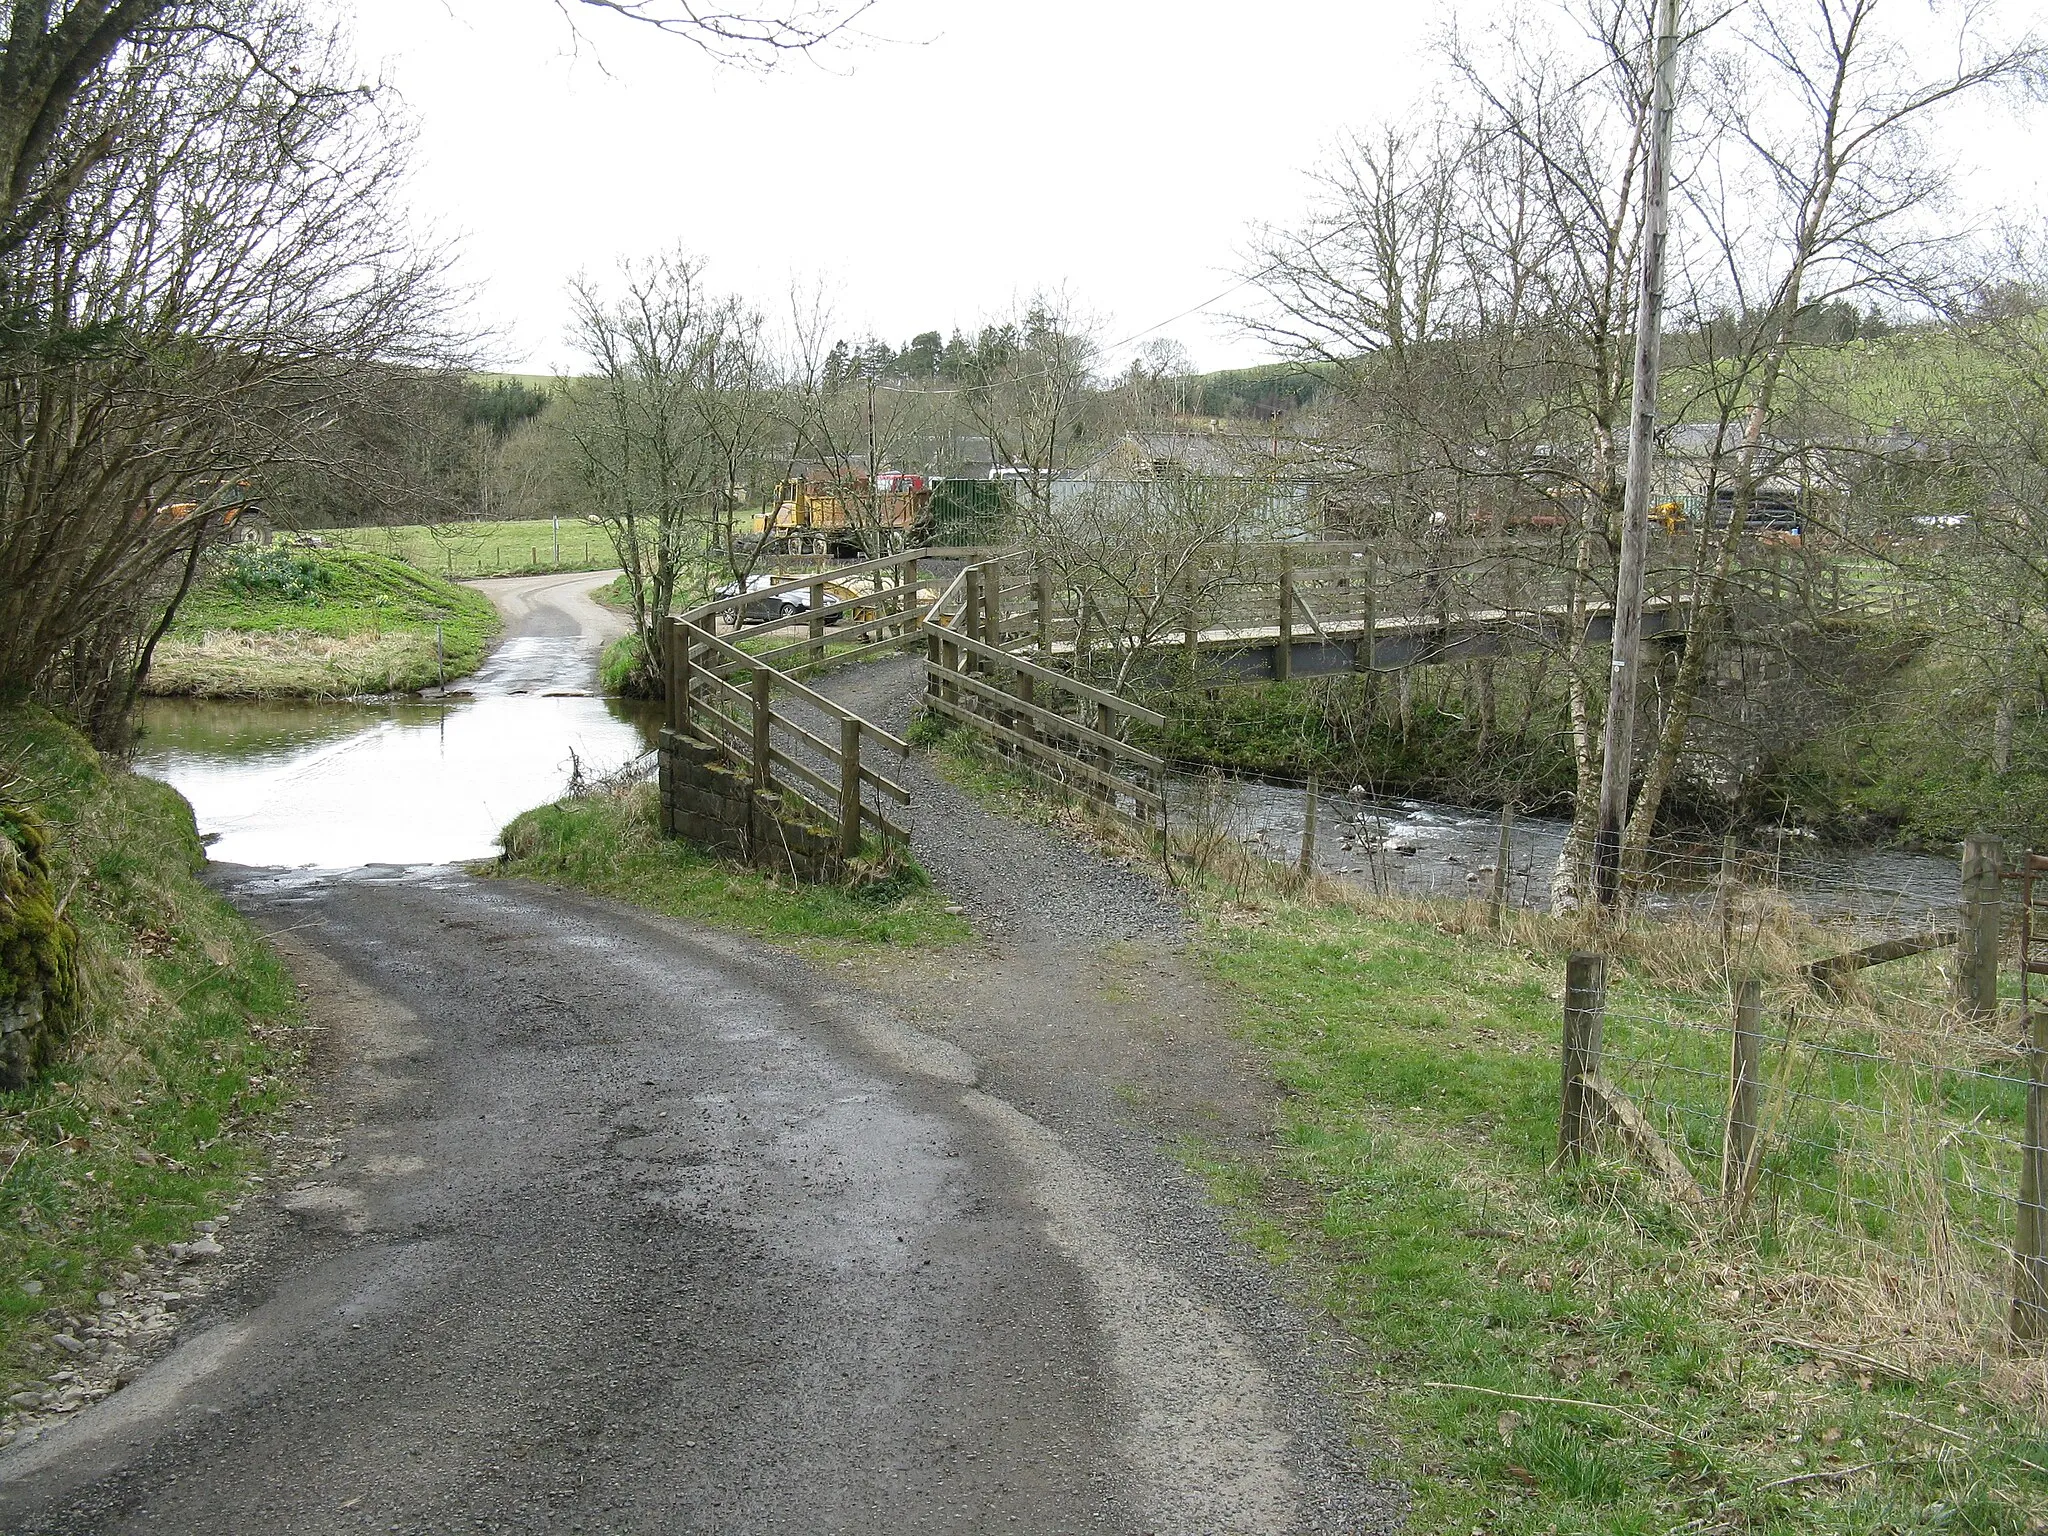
{"type": "Point", "coordinates": [1413, 847]}
{"type": "Point", "coordinates": [342, 785]}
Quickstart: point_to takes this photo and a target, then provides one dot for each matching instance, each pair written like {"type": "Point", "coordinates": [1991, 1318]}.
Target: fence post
{"type": "Point", "coordinates": [1283, 646]}
{"type": "Point", "coordinates": [1585, 999]}
{"type": "Point", "coordinates": [678, 674]}
{"type": "Point", "coordinates": [1977, 950]}
{"type": "Point", "coordinates": [1368, 639]}
{"type": "Point", "coordinates": [908, 603]}
{"type": "Point", "coordinates": [1503, 864]}
{"type": "Point", "coordinates": [849, 787]}
{"type": "Point", "coordinates": [992, 607]}
{"type": "Point", "coordinates": [931, 665]}
{"type": "Point", "coordinates": [1306, 864]}
{"type": "Point", "coordinates": [1023, 723]}
{"type": "Point", "coordinates": [2030, 1240]}
{"type": "Point", "coordinates": [763, 681]}
{"type": "Point", "coordinates": [1105, 724]}
{"type": "Point", "coordinates": [1745, 1083]}
{"type": "Point", "coordinates": [971, 614]}
{"type": "Point", "coordinates": [817, 624]}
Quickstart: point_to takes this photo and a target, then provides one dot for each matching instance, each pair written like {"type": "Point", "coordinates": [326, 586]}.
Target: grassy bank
{"type": "Point", "coordinates": [467, 550]}
{"type": "Point", "coordinates": [321, 623]}
{"type": "Point", "coordinates": [184, 1052]}
{"type": "Point", "coordinates": [609, 841]}
{"type": "Point", "coordinates": [1912, 762]}
{"type": "Point", "coordinates": [1349, 730]}
{"type": "Point", "coordinates": [1562, 1351]}
{"type": "Point", "coordinates": [1572, 1351]}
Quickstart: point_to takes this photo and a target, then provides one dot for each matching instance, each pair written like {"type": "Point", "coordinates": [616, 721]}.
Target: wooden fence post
{"type": "Point", "coordinates": [1977, 950]}
{"type": "Point", "coordinates": [971, 613]}
{"type": "Point", "coordinates": [1306, 864]}
{"type": "Point", "coordinates": [1283, 645]}
{"type": "Point", "coordinates": [2030, 1238]}
{"type": "Point", "coordinates": [763, 681]}
{"type": "Point", "coordinates": [1105, 724]}
{"type": "Point", "coordinates": [1503, 865]}
{"type": "Point", "coordinates": [1585, 999]}
{"type": "Point", "coordinates": [932, 662]}
{"type": "Point", "coordinates": [1368, 639]}
{"type": "Point", "coordinates": [676, 674]}
{"type": "Point", "coordinates": [992, 607]}
{"type": "Point", "coordinates": [817, 623]}
{"type": "Point", "coordinates": [1745, 1084]}
{"type": "Point", "coordinates": [849, 787]}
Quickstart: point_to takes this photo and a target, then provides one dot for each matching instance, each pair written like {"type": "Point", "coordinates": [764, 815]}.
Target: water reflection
{"type": "Point", "coordinates": [339, 785]}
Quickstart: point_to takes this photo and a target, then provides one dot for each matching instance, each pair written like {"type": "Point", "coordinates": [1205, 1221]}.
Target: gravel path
{"type": "Point", "coordinates": [1018, 881]}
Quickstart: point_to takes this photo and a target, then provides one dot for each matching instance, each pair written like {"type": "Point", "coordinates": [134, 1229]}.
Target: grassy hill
{"type": "Point", "coordinates": [279, 622]}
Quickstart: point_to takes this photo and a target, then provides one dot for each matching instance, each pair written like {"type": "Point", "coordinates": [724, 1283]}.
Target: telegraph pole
{"type": "Point", "coordinates": [1618, 745]}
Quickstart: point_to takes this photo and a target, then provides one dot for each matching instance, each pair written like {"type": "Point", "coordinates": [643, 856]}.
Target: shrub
{"type": "Point", "coordinates": [274, 572]}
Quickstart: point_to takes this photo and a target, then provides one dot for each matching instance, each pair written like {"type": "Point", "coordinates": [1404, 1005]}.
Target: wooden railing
{"type": "Point", "coordinates": [882, 616]}
{"type": "Point", "coordinates": [787, 737]}
{"type": "Point", "coordinates": [988, 666]}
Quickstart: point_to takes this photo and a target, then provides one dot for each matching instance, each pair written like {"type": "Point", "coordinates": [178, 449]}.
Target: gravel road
{"type": "Point", "coordinates": [634, 1227]}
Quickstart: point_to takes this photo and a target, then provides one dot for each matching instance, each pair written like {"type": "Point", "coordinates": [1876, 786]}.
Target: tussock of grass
{"type": "Point", "coordinates": [610, 842]}
{"type": "Point", "coordinates": [366, 626]}
{"type": "Point", "coordinates": [185, 1052]}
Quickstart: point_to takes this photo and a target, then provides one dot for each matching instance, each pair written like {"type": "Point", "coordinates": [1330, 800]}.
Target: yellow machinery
{"type": "Point", "coordinates": [814, 518]}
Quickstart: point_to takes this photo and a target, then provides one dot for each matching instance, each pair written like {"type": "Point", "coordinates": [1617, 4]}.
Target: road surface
{"type": "Point", "coordinates": [634, 1227]}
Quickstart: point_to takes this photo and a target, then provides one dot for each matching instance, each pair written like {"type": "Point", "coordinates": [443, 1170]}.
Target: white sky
{"type": "Point", "coordinates": [1119, 147]}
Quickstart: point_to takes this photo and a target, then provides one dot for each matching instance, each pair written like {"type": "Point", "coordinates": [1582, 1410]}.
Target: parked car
{"type": "Point", "coordinates": [786, 606]}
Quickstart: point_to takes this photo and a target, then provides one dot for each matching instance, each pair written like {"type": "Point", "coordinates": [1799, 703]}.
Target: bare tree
{"type": "Point", "coordinates": [210, 294]}
{"type": "Point", "coordinates": [1825, 186]}
{"type": "Point", "coordinates": [1029, 392]}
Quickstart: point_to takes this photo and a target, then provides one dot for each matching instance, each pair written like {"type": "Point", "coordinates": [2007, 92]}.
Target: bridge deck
{"type": "Point", "coordinates": [1332, 645]}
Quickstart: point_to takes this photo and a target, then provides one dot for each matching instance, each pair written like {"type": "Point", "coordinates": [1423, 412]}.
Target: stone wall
{"type": "Point", "coordinates": [707, 801]}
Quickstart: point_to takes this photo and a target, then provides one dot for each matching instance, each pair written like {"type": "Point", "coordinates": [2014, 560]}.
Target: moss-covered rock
{"type": "Point", "coordinates": [38, 951]}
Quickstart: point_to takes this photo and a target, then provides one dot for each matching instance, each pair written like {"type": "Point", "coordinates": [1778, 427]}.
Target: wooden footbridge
{"type": "Point", "coordinates": [1036, 664]}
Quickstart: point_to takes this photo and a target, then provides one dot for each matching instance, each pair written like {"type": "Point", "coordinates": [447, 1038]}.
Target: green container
{"type": "Point", "coordinates": [970, 512]}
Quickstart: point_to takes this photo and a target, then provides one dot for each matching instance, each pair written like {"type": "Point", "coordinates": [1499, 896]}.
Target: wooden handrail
{"type": "Point", "coordinates": [1046, 675]}
{"type": "Point", "coordinates": [810, 696]}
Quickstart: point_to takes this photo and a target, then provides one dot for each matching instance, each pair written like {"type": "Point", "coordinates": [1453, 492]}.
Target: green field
{"type": "Point", "coordinates": [331, 623]}
{"type": "Point", "coordinates": [464, 551]}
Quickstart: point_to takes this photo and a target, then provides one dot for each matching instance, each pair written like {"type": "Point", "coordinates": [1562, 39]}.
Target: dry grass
{"type": "Point", "coordinates": [291, 663]}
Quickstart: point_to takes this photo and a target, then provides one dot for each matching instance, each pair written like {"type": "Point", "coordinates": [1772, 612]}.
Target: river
{"type": "Point", "coordinates": [344, 785]}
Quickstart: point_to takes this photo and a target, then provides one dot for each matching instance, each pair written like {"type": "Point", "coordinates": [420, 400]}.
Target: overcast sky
{"type": "Point", "coordinates": [976, 150]}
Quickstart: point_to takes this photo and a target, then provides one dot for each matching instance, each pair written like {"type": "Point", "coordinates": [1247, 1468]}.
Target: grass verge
{"type": "Point", "coordinates": [609, 841]}
{"type": "Point", "coordinates": [186, 1051]}
{"type": "Point", "coordinates": [1564, 1351]}
{"type": "Point", "coordinates": [323, 623]}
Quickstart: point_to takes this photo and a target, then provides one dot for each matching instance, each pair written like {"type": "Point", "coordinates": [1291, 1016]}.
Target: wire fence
{"type": "Point", "coordinates": [1876, 1107]}
{"type": "Point", "coordinates": [1828, 1052]}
